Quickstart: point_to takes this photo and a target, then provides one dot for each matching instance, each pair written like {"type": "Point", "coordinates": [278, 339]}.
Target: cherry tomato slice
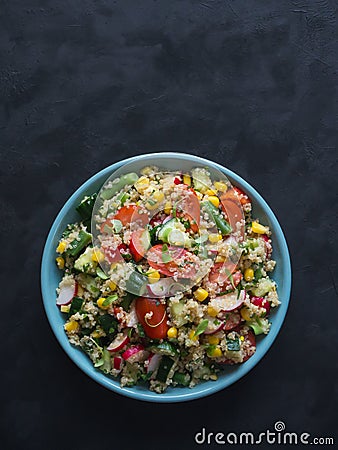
{"type": "Point", "coordinates": [231, 205]}
{"type": "Point", "coordinates": [139, 244]}
{"type": "Point", "coordinates": [156, 326]}
{"type": "Point", "coordinates": [165, 260]}
{"type": "Point", "coordinates": [129, 214]}
{"type": "Point", "coordinates": [219, 274]}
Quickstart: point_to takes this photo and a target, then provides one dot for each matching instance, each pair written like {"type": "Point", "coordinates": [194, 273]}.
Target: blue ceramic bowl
{"type": "Point", "coordinates": [50, 278]}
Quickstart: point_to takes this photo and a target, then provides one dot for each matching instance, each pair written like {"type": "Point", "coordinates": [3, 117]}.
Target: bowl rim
{"type": "Point", "coordinates": [193, 393]}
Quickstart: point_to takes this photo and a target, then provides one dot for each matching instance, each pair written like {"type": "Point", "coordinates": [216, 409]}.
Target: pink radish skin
{"type": "Point", "coordinates": [117, 362]}
{"type": "Point", "coordinates": [68, 290]}
{"type": "Point", "coordinates": [212, 328]}
{"type": "Point", "coordinates": [268, 246]}
{"type": "Point", "coordinates": [261, 302]}
{"type": "Point", "coordinates": [228, 302]}
{"type": "Point", "coordinates": [136, 353]}
{"type": "Point", "coordinates": [154, 361]}
{"type": "Point", "coordinates": [119, 342]}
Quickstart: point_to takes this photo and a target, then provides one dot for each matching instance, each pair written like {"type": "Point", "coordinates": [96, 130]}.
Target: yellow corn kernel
{"type": "Point", "coordinates": [249, 274]}
{"type": "Point", "coordinates": [214, 200]}
{"type": "Point", "coordinates": [212, 311]}
{"type": "Point", "coordinates": [201, 294]}
{"type": "Point", "coordinates": [215, 237]}
{"type": "Point", "coordinates": [245, 313]}
{"type": "Point", "coordinates": [97, 256]}
{"type": "Point", "coordinates": [61, 247]}
{"type": "Point", "coordinates": [65, 308]}
{"type": "Point", "coordinates": [258, 228]}
{"type": "Point", "coordinates": [100, 303]}
{"type": "Point", "coordinates": [211, 192]}
{"type": "Point", "coordinates": [153, 276]}
{"type": "Point", "coordinates": [192, 336]}
{"type": "Point", "coordinates": [156, 198]}
{"type": "Point", "coordinates": [172, 333]}
{"type": "Point", "coordinates": [112, 285]}
{"type": "Point", "coordinates": [242, 338]}
{"type": "Point", "coordinates": [216, 353]}
{"type": "Point", "coordinates": [187, 180]}
{"type": "Point", "coordinates": [167, 208]}
{"type": "Point", "coordinates": [141, 184]}
{"type": "Point", "coordinates": [60, 262]}
{"type": "Point", "coordinates": [213, 340]}
{"type": "Point", "coordinates": [219, 258]}
{"type": "Point", "coordinates": [80, 291]}
{"type": "Point", "coordinates": [71, 326]}
{"type": "Point", "coordinates": [213, 377]}
{"type": "Point", "coordinates": [220, 186]}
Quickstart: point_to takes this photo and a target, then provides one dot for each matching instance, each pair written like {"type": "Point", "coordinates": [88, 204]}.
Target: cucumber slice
{"type": "Point", "coordinates": [85, 263]}
{"type": "Point", "coordinates": [164, 369]}
{"type": "Point", "coordinates": [118, 184]}
{"type": "Point", "coordinates": [163, 232]}
{"type": "Point", "coordinates": [177, 313]}
{"type": "Point", "coordinates": [264, 286]}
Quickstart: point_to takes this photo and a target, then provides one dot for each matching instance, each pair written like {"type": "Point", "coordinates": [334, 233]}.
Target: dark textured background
{"type": "Point", "coordinates": [249, 84]}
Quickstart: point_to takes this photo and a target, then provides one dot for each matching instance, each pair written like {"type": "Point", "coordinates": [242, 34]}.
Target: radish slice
{"type": "Point", "coordinates": [135, 353]}
{"type": "Point", "coordinates": [268, 246]}
{"type": "Point", "coordinates": [228, 302]}
{"type": "Point", "coordinates": [232, 320]}
{"type": "Point", "coordinates": [68, 290]}
{"type": "Point", "coordinates": [214, 325]}
{"type": "Point", "coordinates": [131, 319]}
{"type": "Point", "coordinates": [158, 289]}
{"type": "Point", "coordinates": [117, 363]}
{"type": "Point", "coordinates": [154, 361]}
{"type": "Point", "coordinates": [119, 342]}
{"type": "Point", "coordinates": [165, 287]}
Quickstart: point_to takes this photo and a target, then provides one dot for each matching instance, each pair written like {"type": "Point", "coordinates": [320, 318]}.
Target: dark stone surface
{"type": "Point", "coordinates": [251, 85]}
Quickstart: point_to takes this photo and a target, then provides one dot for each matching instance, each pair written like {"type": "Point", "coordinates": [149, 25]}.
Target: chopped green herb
{"type": "Point", "coordinates": [109, 300]}
{"type": "Point", "coordinates": [202, 326]}
{"type": "Point", "coordinates": [140, 330]}
{"type": "Point", "coordinates": [75, 306]}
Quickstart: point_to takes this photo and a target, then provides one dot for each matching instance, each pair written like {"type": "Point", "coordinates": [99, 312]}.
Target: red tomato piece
{"type": "Point", "coordinates": [139, 244]}
{"type": "Point", "coordinates": [261, 303]}
{"type": "Point", "coordinates": [189, 209]}
{"type": "Point", "coordinates": [156, 326]}
{"type": "Point", "coordinates": [130, 214]}
{"type": "Point", "coordinates": [243, 198]}
{"type": "Point", "coordinates": [220, 274]}
{"type": "Point", "coordinates": [168, 260]}
{"type": "Point", "coordinates": [232, 207]}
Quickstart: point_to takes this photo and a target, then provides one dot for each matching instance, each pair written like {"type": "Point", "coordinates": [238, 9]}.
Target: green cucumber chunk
{"type": "Point", "coordinates": [120, 183]}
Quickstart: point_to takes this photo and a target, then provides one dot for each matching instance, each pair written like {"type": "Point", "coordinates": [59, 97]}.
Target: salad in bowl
{"type": "Point", "coordinates": [166, 277]}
